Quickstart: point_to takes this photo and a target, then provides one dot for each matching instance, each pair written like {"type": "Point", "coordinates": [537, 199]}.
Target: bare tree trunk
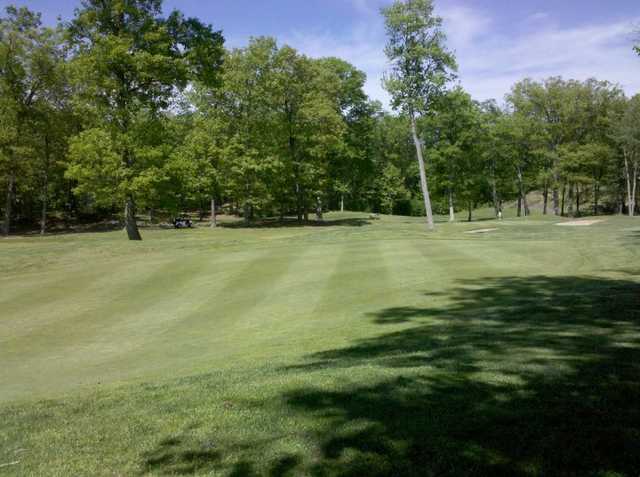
{"type": "Point", "coordinates": [519, 206]}
{"type": "Point", "coordinates": [214, 216]}
{"type": "Point", "coordinates": [521, 199]}
{"type": "Point", "coordinates": [627, 174]}
{"type": "Point", "coordinates": [494, 188]}
{"type": "Point", "coordinates": [632, 205]}
{"type": "Point", "coordinates": [341, 202]}
{"type": "Point", "coordinates": [632, 201]}
{"type": "Point", "coordinates": [470, 217]}
{"type": "Point", "coordinates": [577, 200]}
{"type": "Point", "coordinates": [564, 193]}
{"type": "Point", "coordinates": [423, 173]}
{"type": "Point", "coordinates": [8, 203]}
{"type": "Point", "coordinates": [620, 205]}
{"type": "Point", "coordinates": [555, 195]}
{"type": "Point", "coordinates": [131, 225]}
{"type": "Point", "coordinates": [452, 212]}
{"type": "Point", "coordinates": [545, 195]}
{"type": "Point", "coordinates": [570, 209]}
{"type": "Point", "coordinates": [247, 213]}
{"type": "Point", "coordinates": [596, 197]}
{"type": "Point", "coordinates": [45, 187]}
{"type": "Point", "coordinates": [43, 214]}
{"type": "Point", "coordinates": [319, 208]}
{"type": "Point", "coordinates": [298, 202]}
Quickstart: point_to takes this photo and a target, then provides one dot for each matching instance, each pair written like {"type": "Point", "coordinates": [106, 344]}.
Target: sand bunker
{"type": "Point", "coordinates": [481, 231]}
{"type": "Point", "coordinates": [580, 223]}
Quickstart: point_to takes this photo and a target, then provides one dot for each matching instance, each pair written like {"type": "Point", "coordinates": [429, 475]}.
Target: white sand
{"type": "Point", "coordinates": [481, 231]}
{"type": "Point", "coordinates": [580, 223]}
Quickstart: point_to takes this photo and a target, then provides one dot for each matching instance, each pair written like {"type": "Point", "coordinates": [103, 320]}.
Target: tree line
{"type": "Point", "coordinates": [124, 111]}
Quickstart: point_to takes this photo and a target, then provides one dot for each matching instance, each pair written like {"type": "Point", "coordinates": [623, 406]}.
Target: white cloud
{"type": "Point", "coordinates": [538, 17]}
{"type": "Point", "coordinates": [362, 46]}
{"type": "Point", "coordinates": [490, 62]}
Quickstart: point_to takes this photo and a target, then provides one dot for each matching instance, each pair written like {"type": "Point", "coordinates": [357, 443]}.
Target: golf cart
{"type": "Point", "coordinates": [182, 223]}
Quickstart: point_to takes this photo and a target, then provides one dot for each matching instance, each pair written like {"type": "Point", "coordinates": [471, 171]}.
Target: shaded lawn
{"type": "Point", "coordinates": [520, 376]}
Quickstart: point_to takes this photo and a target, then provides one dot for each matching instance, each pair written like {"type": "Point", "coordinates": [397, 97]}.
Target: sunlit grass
{"type": "Point", "coordinates": [364, 347]}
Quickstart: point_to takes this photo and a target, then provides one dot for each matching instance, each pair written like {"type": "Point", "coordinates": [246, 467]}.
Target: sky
{"type": "Point", "coordinates": [496, 42]}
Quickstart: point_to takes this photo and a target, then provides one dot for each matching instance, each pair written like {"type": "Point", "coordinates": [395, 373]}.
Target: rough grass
{"type": "Point", "coordinates": [357, 348]}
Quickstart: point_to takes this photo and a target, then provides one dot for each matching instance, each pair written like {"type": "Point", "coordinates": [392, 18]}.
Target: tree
{"type": "Point", "coordinates": [196, 165]}
{"type": "Point", "coordinates": [497, 167]}
{"type": "Point", "coordinates": [129, 62]}
{"type": "Point", "coordinates": [627, 134]}
{"type": "Point", "coordinates": [29, 55]}
{"type": "Point", "coordinates": [454, 126]}
{"type": "Point", "coordinates": [421, 66]}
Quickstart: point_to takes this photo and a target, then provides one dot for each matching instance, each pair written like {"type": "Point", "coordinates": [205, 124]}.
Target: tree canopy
{"type": "Point", "coordinates": [126, 114]}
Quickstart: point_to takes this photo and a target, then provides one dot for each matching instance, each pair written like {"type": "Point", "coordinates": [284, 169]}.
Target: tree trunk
{"type": "Point", "coordinates": [214, 216]}
{"type": "Point", "coordinates": [299, 202]}
{"type": "Point", "coordinates": [620, 205]}
{"type": "Point", "coordinates": [596, 197]}
{"type": "Point", "coordinates": [521, 196]}
{"type": "Point", "coordinates": [545, 195]}
{"type": "Point", "coordinates": [423, 173]}
{"type": "Point", "coordinates": [452, 212]}
{"type": "Point", "coordinates": [494, 188]}
{"type": "Point", "coordinates": [341, 202]}
{"type": "Point", "coordinates": [247, 213]}
{"type": "Point", "coordinates": [570, 209]}
{"type": "Point", "coordinates": [632, 204]}
{"type": "Point", "coordinates": [555, 195]}
{"type": "Point", "coordinates": [43, 214]}
{"type": "Point", "coordinates": [470, 218]}
{"type": "Point", "coordinates": [564, 193]}
{"type": "Point", "coordinates": [45, 186]}
{"type": "Point", "coordinates": [319, 208]}
{"type": "Point", "coordinates": [525, 204]}
{"type": "Point", "coordinates": [131, 225]}
{"type": "Point", "coordinates": [578, 200]}
{"type": "Point", "coordinates": [8, 203]}
{"type": "Point", "coordinates": [627, 174]}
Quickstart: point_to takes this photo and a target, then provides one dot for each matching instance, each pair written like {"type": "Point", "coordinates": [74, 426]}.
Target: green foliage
{"type": "Point", "coordinates": [391, 188]}
{"type": "Point", "coordinates": [421, 66]}
{"type": "Point", "coordinates": [125, 105]}
{"type": "Point", "coordinates": [96, 165]}
{"type": "Point", "coordinates": [128, 64]}
{"type": "Point", "coordinates": [453, 134]}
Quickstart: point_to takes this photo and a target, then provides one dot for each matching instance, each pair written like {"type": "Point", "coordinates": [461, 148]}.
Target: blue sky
{"type": "Point", "coordinates": [497, 42]}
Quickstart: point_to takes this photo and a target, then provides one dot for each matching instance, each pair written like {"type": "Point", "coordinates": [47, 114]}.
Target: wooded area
{"type": "Point", "coordinates": [123, 111]}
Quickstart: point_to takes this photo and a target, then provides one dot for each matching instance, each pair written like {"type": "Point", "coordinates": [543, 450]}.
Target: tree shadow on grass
{"type": "Point", "coordinates": [287, 222]}
{"type": "Point", "coordinates": [515, 376]}
{"type": "Point", "coordinates": [175, 456]}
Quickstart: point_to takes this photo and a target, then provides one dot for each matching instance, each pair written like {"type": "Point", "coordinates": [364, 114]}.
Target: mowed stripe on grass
{"type": "Point", "coordinates": [373, 349]}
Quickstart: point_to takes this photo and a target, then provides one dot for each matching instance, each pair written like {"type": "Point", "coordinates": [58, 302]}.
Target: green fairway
{"type": "Point", "coordinates": [361, 347]}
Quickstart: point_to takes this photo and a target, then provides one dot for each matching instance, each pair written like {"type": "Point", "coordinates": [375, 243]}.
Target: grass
{"type": "Point", "coordinates": [357, 348]}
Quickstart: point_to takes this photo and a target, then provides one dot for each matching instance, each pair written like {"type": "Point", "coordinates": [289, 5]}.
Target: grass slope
{"type": "Point", "coordinates": [357, 348]}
